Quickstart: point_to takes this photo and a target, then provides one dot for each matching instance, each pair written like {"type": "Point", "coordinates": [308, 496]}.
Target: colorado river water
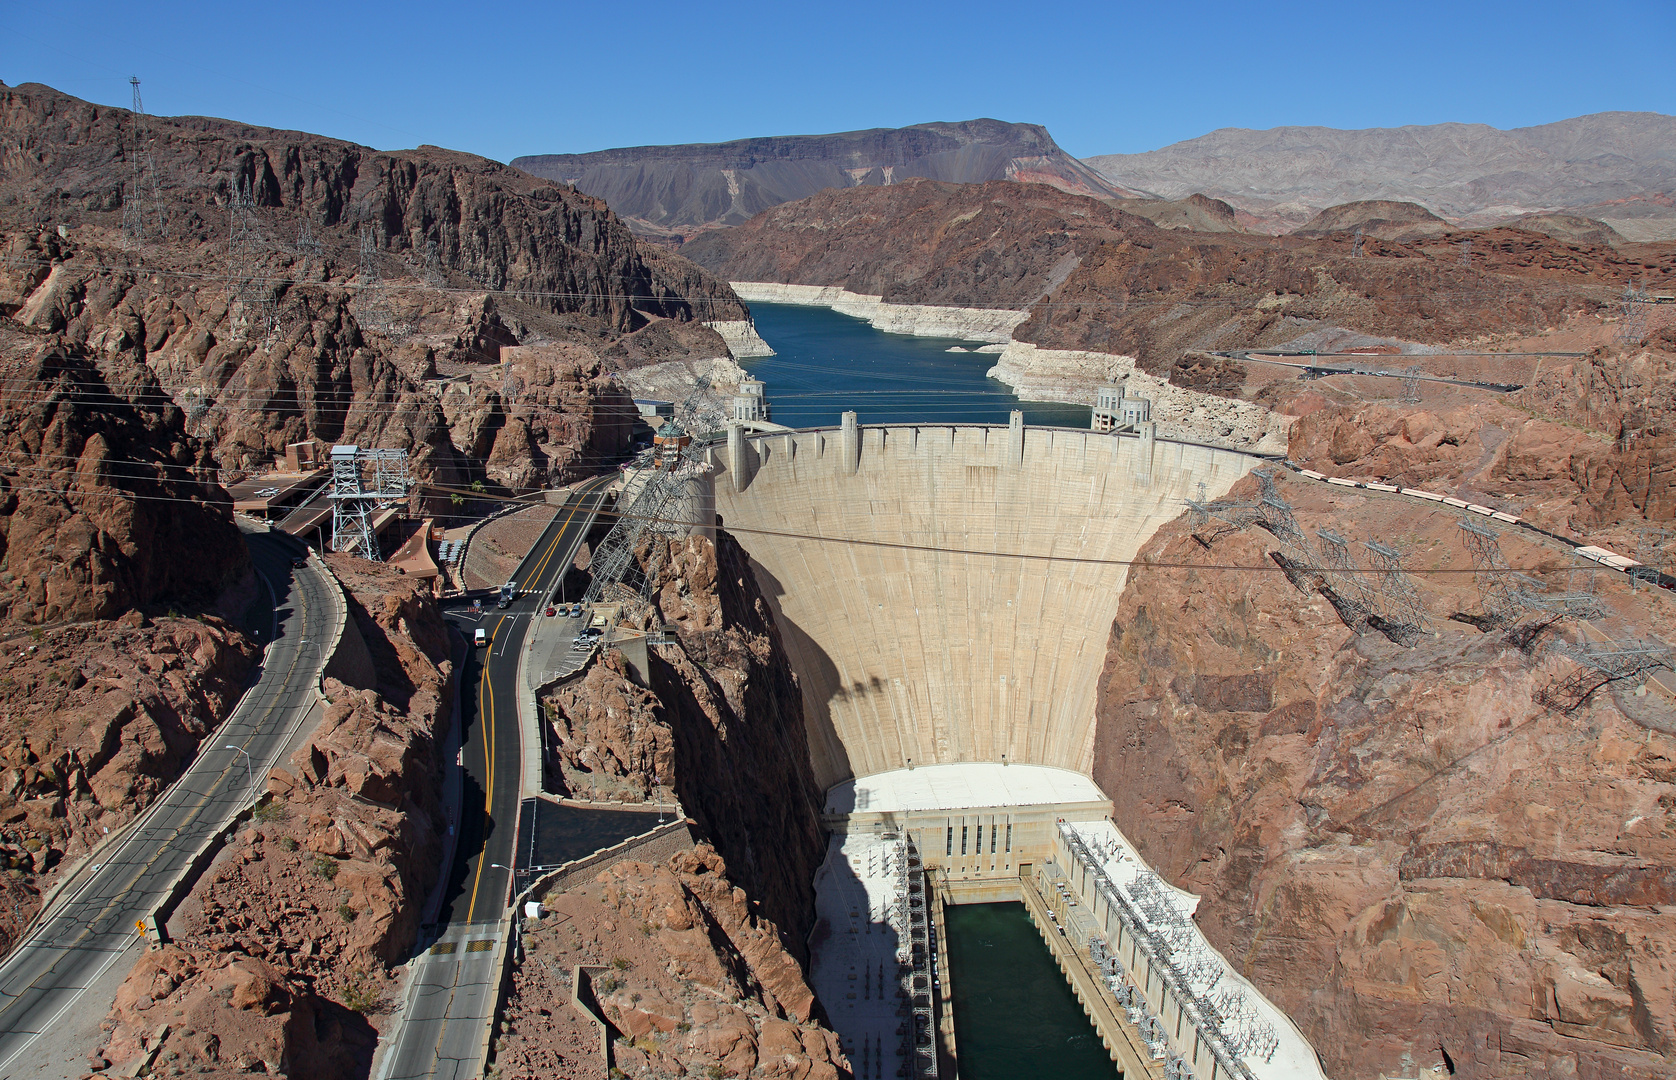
{"type": "Point", "coordinates": [828, 363]}
{"type": "Point", "coordinates": [1015, 1017]}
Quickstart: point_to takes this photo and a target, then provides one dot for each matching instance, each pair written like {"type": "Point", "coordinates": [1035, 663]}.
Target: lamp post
{"type": "Point", "coordinates": [249, 769]}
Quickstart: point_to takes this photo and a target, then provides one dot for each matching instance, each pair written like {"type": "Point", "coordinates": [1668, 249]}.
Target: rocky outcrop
{"type": "Point", "coordinates": [682, 191]}
{"type": "Point", "coordinates": [1587, 448]}
{"type": "Point", "coordinates": [720, 723]}
{"type": "Point", "coordinates": [101, 491]}
{"type": "Point", "coordinates": [1096, 279]}
{"type": "Point", "coordinates": [1180, 413]}
{"type": "Point", "coordinates": [1383, 218]}
{"type": "Point", "coordinates": [98, 719]}
{"type": "Point", "coordinates": [343, 363]}
{"type": "Point", "coordinates": [306, 911]}
{"type": "Point", "coordinates": [918, 320]}
{"type": "Point", "coordinates": [1421, 865]}
{"type": "Point", "coordinates": [693, 979]}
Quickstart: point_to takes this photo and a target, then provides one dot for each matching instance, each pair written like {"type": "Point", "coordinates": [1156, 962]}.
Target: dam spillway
{"type": "Point", "coordinates": [960, 609]}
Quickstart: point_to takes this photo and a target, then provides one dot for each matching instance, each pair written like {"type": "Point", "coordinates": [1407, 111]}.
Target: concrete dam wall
{"type": "Point", "coordinates": [980, 650]}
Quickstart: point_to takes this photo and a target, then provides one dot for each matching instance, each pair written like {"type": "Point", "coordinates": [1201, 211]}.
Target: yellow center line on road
{"type": "Point", "coordinates": [486, 700]}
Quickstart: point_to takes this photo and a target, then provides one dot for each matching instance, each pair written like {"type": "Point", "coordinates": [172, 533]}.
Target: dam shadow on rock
{"type": "Point", "coordinates": [811, 662]}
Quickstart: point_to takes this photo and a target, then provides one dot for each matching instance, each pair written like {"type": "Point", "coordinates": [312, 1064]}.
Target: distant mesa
{"type": "Point", "coordinates": [678, 191]}
{"type": "Point", "coordinates": [1197, 213]}
{"type": "Point", "coordinates": [1376, 217]}
{"type": "Point", "coordinates": [1618, 167]}
{"type": "Point", "coordinates": [1571, 228]}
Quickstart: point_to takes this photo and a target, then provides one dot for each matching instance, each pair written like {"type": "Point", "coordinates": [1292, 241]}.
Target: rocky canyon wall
{"type": "Point", "coordinates": [281, 956]}
{"type": "Point", "coordinates": [1405, 850]}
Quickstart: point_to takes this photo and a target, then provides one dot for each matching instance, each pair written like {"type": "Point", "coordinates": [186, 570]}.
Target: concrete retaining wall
{"type": "Point", "coordinates": [911, 656]}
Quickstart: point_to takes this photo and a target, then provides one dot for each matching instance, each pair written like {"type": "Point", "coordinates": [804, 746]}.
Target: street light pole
{"type": "Point", "coordinates": [249, 770]}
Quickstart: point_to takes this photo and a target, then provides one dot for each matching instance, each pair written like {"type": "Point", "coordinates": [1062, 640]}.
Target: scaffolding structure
{"type": "Point", "coordinates": [364, 482]}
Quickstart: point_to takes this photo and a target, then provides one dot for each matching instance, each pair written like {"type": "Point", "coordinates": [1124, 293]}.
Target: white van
{"type": "Point", "coordinates": [481, 638]}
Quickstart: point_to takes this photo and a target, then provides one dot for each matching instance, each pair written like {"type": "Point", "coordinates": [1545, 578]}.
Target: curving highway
{"type": "Point", "coordinates": [47, 976]}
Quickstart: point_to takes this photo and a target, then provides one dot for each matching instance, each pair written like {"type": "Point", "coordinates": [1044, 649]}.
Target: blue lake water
{"type": "Point", "coordinates": [829, 363]}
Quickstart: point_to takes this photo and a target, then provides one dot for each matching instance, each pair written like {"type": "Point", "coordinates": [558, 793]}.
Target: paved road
{"type": "Point", "coordinates": [44, 978]}
{"type": "Point", "coordinates": [453, 990]}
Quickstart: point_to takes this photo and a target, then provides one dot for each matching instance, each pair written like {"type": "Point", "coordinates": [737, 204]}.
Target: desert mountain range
{"type": "Point", "coordinates": [1618, 168]}
{"type": "Point", "coordinates": [683, 190]}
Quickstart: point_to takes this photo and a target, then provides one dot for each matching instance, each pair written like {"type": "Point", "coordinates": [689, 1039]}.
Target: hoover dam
{"type": "Point", "coordinates": [945, 594]}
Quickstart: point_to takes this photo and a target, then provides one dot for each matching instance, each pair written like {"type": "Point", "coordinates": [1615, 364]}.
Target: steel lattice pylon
{"type": "Point", "coordinates": [1411, 386]}
{"type": "Point", "coordinates": [364, 481]}
{"type": "Point", "coordinates": [372, 310]}
{"type": "Point", "coordinates": [140, 196]}
{"type": "Point", "coordinates": [1498, 592]}
{"type": "Point", "coordinates": [1344, 577]}
{"type": "Point", "coordinates": [1398, 598]}
{"type": "Point", "coordinates": [1598, 665]}
{"type": "Point", "coordinates": [255, 311]}
{"type": "Point", "coordinates": [1632, 328]}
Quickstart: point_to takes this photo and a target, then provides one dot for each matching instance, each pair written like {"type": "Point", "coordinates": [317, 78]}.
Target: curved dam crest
{"type": "Point", "coordinates": [910, 657]}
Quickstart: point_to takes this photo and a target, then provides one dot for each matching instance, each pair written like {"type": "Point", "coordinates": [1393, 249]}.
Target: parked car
{"type": "Point", "coordinates": [299, 561]}
{"type": "Point", "coordinates": [551, 612]}
{"type": "Point", "coordinates": [576, 611]}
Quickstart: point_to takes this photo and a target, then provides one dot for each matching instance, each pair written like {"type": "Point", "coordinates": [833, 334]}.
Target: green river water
{"type": "Point", "coordinates": [1015, 1017]}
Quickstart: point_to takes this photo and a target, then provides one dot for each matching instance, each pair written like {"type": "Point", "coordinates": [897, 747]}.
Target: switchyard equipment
{"type": "Point", "coordinates": [1226, 1021]}
{"type": "Point", "coordinates": [1597, 665]}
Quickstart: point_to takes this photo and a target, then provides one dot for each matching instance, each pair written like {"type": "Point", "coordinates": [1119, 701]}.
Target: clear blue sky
{"type": "Point", "coordinates": [519, 78]}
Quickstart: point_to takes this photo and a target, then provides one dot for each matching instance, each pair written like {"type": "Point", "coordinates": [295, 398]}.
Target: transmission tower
{"type": "Point", "coordinates": [1649, 552]}
{"type": "Point", "coordinates": [255, 311]}
{"type": "Point", "coordinates": [1411, 386]}
{"type": "Point", "coordinates": [1498, 593]}
{"type": "Point", "coordinates": [1400, 601]}
{"type": "Point", "coordinates": [1598, 665]}
{"type": "Point", "coordinates": [306, 246]}
{"type": "Point", "coordinates": [364, 481]}
{"type": "Point", "coordinates": [434, 276]}
{"type": "Point", "coordinates": [1356, 244]}
{"type": "Point", "coordinates": [1276, 516]}
{"type": "Point", "coordinates": [1466, 253]}
{"type": "Point", "coordinates": [140, 197]}
{"type": "Point", "coordinates": [372, 310]}
{"type": "Point", "coordinates": [1632, 327]}
{"type": "Point", "coordinates": [1345, 579]}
